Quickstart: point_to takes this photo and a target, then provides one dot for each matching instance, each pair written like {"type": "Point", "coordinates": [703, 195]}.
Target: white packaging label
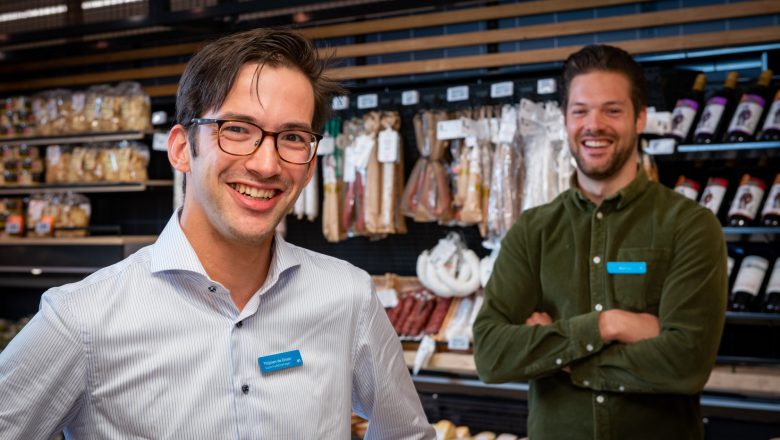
{"type": "Point", "coordinates": [329, 171]}
{"type": "Point", "coordinates": [364, 148]}
{"type": "Point", "coordinates": [410, 97]}
{"type": "Point", "coordinates": [387, 297]}
{"type": "Point", "coordinates": [326, 146]}
{"type": "Point", "coordinates": [772, 204]}
{"type": "Point", "coordinates": [370, 100]}
{"type": "Point", "coordinates": [773, 286]}
{"type": "Point", "coordinates": [687, 191]}
{"type": "Point", "coordinates": [746, 200]}
{"type": "Point", "coordinates": [454, 129]}
{"type": "Point", "coordinates": [751, 275]}
{"type": "Point", "coordinates": [772, 121]}
{"type": "Point", "coordinates": [350, 155]}
{"type": "Point", "coordinates": [713, 197]}
{"type": "Point", "coordinates": [710, 117]}
{"type": "Point", "coordinates": [748, 113]}
{"type": "Point", "coordinates": [389, 144]}
{"type": "Point", "coordinates": [660, 146]}
{"type": "Point", "coordinates": [458, 93]}
{"type": "Point", "coordinates": [730, 265]}
{"type": "Point", "coordinates": [682, 117]}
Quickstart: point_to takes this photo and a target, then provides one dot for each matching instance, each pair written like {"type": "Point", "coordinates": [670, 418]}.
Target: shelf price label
{"type": "Point", "coordinates": [457, 93]}
{"type": "Point", "coordinates": [502, 89]}
{"type": "Point", "coordinates": [160, 142]}
{"type": "Point", "coordinates": [340, 103]}
{"type": "Point", "coordinates": [410, 97]}
{"type": "Point", "coordinates": [370, 100]}
{"type": "Point", "coordinates": [546, 86]}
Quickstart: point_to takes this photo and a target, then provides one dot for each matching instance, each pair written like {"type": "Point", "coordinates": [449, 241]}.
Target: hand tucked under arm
{"type": "Point", "coordinates": [627, 327]}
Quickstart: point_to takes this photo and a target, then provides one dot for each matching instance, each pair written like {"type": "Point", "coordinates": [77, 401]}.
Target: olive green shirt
{"type": "Point", "coordinates": [554, 260]}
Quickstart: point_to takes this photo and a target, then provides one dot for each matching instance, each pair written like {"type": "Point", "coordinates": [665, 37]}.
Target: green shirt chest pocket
{"type": "Point", "coordinates": [640, 292]}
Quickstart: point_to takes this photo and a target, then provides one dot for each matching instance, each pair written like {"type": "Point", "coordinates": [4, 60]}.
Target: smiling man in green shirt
{"type": "Point", "coordinates": [610, 299]}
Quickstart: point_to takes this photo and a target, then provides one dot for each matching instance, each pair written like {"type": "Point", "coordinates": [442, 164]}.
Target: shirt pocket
{"type": "Point", "coordinates": [641, 292]}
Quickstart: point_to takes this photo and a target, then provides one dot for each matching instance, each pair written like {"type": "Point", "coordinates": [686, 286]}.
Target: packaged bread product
{"type": "Point", "coordinates": [73, 219]}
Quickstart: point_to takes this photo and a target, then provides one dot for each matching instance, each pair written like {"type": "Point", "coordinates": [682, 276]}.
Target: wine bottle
{"type": "Point", "coordinates": [686, 110]}
{"type": "Point", "coordinates": [751, 106]}
{"type": "Point", "coordinates": [717, 112]}
{"type": "Point", "coordinates": [751, 274]}
{"type": "Point", "coordinates": [746, 201]}
{"type": "Point", "coordinates": [712, 197]}
{"type": "Point", "coordinates": [770, 215]}
{"type": "Point", "coordinates": [687, 187]}
{"type": "Point", "coordinates": [772, 302]}
{"type": "Point", "coordinates": [771, 129]}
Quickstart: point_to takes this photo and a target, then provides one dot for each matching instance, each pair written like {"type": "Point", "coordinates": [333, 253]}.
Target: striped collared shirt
{"type": "Point", "coordinates": [152, 348]}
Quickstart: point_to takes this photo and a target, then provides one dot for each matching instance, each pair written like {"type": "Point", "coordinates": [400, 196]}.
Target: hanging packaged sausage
{"type": "Point", "coordinates": [332, 148]}
{"type": "Point", "coordinates": [427, 196]}
{"type": "Point", "coordinates": [390, 155]}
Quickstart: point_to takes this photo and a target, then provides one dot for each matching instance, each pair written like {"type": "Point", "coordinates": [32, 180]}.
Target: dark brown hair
{"type": "Point", "coordinates": [607, 58]}
{"type": "Point", "coordinates": [210, 74]}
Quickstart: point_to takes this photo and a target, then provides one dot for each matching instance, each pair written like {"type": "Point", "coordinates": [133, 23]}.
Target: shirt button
{"type": "Point", "coordinates": [240, 324]}
{"type": "Point", "coordinates": [212, 289]}
{"type": "Point", "coordinates": [599, 215]}
{"type": "Point", "coordinates": [586, 383]}
{"type": "Point", "coordinates": [622, 388]}
{"type": "Point", "coordinates": [599, 307]}
{"type": "Point", "coordinates": [589, 347]}
{"type": "Point", "coordinates": [559, 361]}
{"type": "Point", "coordinates": [600, 399]}
{"type": "Point", "coordinates": [597, 259]}
{"type": "Point", "coordinates": [245, 389]}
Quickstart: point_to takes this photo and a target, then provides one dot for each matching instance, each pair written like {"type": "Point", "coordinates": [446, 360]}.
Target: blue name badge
{"type": "Point", "coordinates": [626, 267]}
{"type": "Point", "coordinates": [280, 361]}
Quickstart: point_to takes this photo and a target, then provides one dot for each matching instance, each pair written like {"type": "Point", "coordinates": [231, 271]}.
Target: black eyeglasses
{"type": "Point", "coordinates": [242, 138]}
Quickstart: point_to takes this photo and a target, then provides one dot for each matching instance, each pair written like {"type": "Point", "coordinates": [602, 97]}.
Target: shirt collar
{"type": "Point", "coordinates": [622, 198]}
{"type": "Point", "coordinates": [173, 251]}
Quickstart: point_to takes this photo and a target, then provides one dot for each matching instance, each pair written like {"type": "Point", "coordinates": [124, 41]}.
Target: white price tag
{"type": "Point", "coordinates": [458, 93]}
{"type": "Point", "coordinates": [387, 297]}
{"type": "Point", "coordinates": [410, 97]}
{"type": "Point", "coordinates": [660, 146]}
{"type": "Point", "coordinates": [160, 142]}
{"type": "Point", "coordinates": [389, 144]}
{"type": "Point", "coordinates": [443, 251]}
{"type": "Point", "coordinates": [458, 342]}
{"type": "Point", "coordinates": [502, 89]}
{"type": "Point", "coordinates": [349, 164]}
{"type": "Point", "coordinates": [365, 146]}
{"type": "Point", "coordinates": [370, 100]}
{"type": "Point", "coordinates": [327, 145]}
{"type": "Point", "coordinates": [545, 86]}
{"type": "Point", "coordinates": [340, 103]}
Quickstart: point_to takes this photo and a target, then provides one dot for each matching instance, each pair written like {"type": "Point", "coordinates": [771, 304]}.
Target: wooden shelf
{"type": "Point", "coordinates": [92, 187]}
{"type": "Point", "coordinates": [80, 138]}
{"type": "Point", "coordinates": [80, 241]}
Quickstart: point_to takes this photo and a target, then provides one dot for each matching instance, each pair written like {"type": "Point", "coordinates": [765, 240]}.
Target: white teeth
{"type": "Point", "coordinates": [595, 144]}
{"type": "Point", "coordinates": [253, 192]}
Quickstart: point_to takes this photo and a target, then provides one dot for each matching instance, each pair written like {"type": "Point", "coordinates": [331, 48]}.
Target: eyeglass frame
{"type": "Point", "coordinates": [274, 135]}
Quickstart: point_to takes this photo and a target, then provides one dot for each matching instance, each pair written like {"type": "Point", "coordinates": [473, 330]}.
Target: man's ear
{"type": "Point", "coordinates": [310, 172]}
{"type": "Point", "coordinates": [641, 120]}
{"type": "Point", "coordinates": [179, 148]}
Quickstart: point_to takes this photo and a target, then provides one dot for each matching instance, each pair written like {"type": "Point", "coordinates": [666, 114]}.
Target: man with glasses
{"type": "Point", "coordinates": [221, 329]}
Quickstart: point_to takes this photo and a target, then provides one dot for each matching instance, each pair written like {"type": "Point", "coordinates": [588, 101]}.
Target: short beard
{"type": "Point", "coordinates": [619, 160]}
